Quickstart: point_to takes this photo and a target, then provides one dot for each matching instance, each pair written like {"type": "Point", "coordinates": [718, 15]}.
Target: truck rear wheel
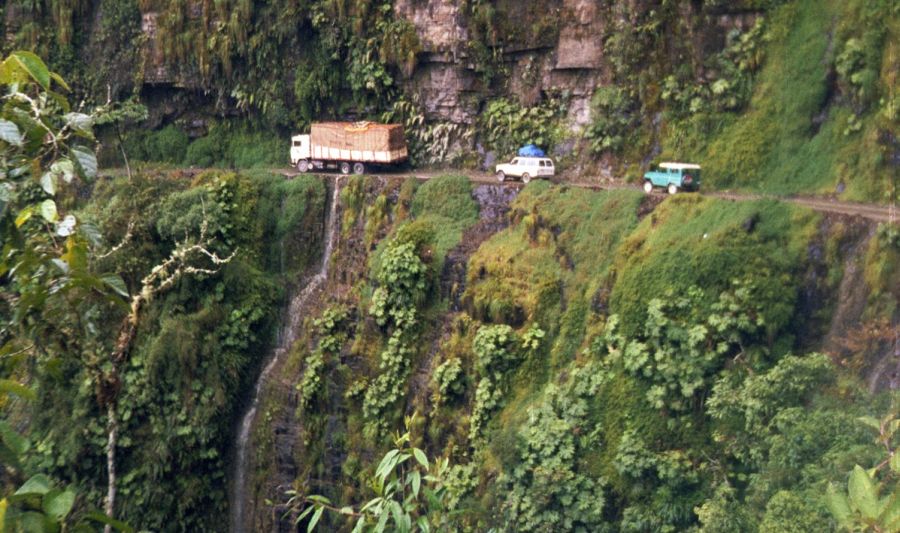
{"type": "Point", "coordinates": [648, 187]}
{"type": "Point", "coordinates": [501, 176]}
{"type": "Point", "coordinates": [359, 168]}
{"type": "Point", "coordinates": [344, 167]}
{"type": "Point", "coordinates": [672, 188]}
{"type": "Point", "coordinates": [303, 165]}
{"type": "Point", "coordinates": [526, 178]}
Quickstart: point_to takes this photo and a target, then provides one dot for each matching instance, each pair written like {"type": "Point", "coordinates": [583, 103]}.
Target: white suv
{"type": "Point", "coordinates": [526, 168]}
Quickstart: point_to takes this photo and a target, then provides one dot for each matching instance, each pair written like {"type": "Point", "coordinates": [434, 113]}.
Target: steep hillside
{"type": "Point", "coordinates": [192, 341]}
{"type": "Point", "coordinates": [775, 96]}
{"type": "Point", "coordinates": [610, 363]}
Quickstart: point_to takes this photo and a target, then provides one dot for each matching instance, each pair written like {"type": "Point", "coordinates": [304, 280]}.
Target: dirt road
{"type": "Point", "coordinates": [874, 212]}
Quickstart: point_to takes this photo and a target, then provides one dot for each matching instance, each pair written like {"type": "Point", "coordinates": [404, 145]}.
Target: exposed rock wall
{"type": "Point", "coordinates": [554, 47]}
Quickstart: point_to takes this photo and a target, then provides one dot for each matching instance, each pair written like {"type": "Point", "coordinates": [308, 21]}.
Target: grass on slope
{"type": "Point", "coordinates": [691, 240]}
{"type": "Point", "coordinates": [795, 136]}
{"type": "Point", "coordinates": [550, 264]}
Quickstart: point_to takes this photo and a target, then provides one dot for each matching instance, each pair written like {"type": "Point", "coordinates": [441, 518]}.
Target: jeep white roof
{"type": "Point", "coordinates": [678, 166]}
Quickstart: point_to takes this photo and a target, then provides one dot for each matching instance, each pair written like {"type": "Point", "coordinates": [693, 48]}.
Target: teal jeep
{"type": "Point", "coordinates": [674, 177]}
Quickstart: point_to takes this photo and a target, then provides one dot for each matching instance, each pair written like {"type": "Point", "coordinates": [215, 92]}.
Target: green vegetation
{"type": "Point", "coordinates": [608, 361]}
{"type": "Point", "coordinates": [220, 148]}
{"type": "Point", "coordinates": [152, 387]}
{"type": "Point", "coordinates": [507, 125]}
{"type": "Point", "coordinates": [691, 240]}
{"type": "Point", "coordinates": [801, 133]}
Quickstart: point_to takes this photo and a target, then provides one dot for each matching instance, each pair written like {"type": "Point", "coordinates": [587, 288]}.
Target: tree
{"type": "Point", "coordinates": [59, 306]}
{"type": "Point", "coordinates": [45, 148]}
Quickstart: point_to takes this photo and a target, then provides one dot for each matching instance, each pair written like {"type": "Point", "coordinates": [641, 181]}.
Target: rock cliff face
{"type": "Point", "coordinates": [555, 47]}
{"type": "Point", "coordinates": [559, 48]}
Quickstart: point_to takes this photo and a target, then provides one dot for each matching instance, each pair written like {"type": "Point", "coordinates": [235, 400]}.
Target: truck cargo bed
{"type": "Point", "coordinates": [367, 142]}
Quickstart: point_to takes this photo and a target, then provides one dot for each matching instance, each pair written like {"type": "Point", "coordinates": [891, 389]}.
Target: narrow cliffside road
{"type": "Point", "coordinates": [878, 213]}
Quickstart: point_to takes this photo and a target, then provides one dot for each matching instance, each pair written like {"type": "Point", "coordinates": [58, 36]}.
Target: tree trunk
{"type": "Point", "coordinates": [112, 427]}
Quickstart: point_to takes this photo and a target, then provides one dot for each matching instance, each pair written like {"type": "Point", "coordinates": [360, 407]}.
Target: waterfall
{"type": "Point", "coordinates": [286, 338]}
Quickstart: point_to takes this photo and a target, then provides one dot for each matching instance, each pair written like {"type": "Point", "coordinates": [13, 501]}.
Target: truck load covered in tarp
{"type": "Point", "coordinates": [530, 150]}
{"type": "Point", "coordinates": [358, 141]}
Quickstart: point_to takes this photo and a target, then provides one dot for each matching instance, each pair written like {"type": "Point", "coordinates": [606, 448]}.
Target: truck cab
{"type": "Point", "coordinates": [673, 177]}
{"type": "Point", "coordinates": [300, 150]}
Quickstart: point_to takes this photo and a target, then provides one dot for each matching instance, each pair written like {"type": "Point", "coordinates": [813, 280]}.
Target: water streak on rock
{"type": "Point", "coordinates": [286, 338]}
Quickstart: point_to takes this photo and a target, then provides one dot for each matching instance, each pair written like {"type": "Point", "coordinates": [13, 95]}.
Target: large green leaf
{"type": "Point", "coordinates": [21, 63]}
{"type": "Point", "coordinates": [839, 506]}
{"type": "Point", "coordinates": [48, 211]}
{"type": "Point", "coordinates": [63, 168]}
{"type": "Point", "coordinates": [33, 522]}
{"type": "Point", "coordinates": [421, 457]}
{"type": "Point", "coordinates": [863, 494]}
{"type": "Point", "coordinates": [17, 444]}
{"type": "Point", "coordinates": [92, 233]}
{"type": "Point", "coordinates": [79, 122]}
{"type": "Point", "coordinates": [38, 485]}
{"type": "Point", "coordinates": [58, 503]}
{"type": "Point", "coordinates": [114, 282]}
{"type": "Point", "coordinates": [24, 215]}
{"type": "Point", "coordinates": [10, 133]}
{"type": "Point", "coordinates": [315, 519]}
{"type": "Point", "coordinates": [58, 79]}
{"type": "Point", "coordinates": [87, 161]}
{"type": "Point", "coordinates": [48, 183]}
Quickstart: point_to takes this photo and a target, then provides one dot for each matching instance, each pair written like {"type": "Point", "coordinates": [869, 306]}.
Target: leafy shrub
{"type": "Point", "coordinates": [506, 125]}
{"type": "Point", "coordinates": [169, 145]}
{"type": "Point", "coordinates": [403, 284]}
{"type": "Point", "coordinates": [498, 350]}
{"type": "Point", "coordinates": [182, 214]}
{"type": "Point", "coordinates": [207, 151]}
{"type": "Point", "coordinates": [332, 335]}
{"type": "Point", "coordinates": [448, 380]}
{"type": "Point", "coordinates": [254, 150]}
{"type": "Point", "coordinates": [402, 276]}
{"type": "Point", "coordinates": [614, 116]}
{"type": "Point", "coordinates": [547, 488]}
{"type": "Point", "coordinates": [429, 143]}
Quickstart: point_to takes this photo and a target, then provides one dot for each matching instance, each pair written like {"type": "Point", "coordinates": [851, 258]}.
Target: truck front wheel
{"type": "Point", "coordinates": [303, 165]}
{"type": "Point", "coordinates": [345, 167]}
{"type": "Point", "coordinates": [359, 168]}
{"type": "Point", "coordinates": [648, 187]}
{"type": "Point", "coordinates": [501, 176]}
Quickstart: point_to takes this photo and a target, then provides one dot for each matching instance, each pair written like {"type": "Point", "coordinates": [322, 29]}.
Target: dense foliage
{"type": "Point", "coordinates": [601, 363]}
{"type": "Point", "coordinates": [675, 408]}
{"type": "Point", "coordinates": [201, 331]}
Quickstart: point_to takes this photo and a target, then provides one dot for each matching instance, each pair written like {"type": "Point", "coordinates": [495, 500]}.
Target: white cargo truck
{"type": "Point", "coordinates": [348, 146]}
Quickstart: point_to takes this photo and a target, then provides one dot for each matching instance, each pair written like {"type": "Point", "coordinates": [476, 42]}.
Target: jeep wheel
{"type": "Point", "coordinates": [672, 188]}
{"type": "Point", "coordinates": [359, 168]}
{"type": "Point", "coordinates": [303, 166]}
{"type": "Point", "coordinates": [648, 187]}
{"type": "Point", "coordinates": [526, 178]}
{"type": "Point", "coordinates": [345, 167]}
{"type": "Point", "coordinates": [501, 176]}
